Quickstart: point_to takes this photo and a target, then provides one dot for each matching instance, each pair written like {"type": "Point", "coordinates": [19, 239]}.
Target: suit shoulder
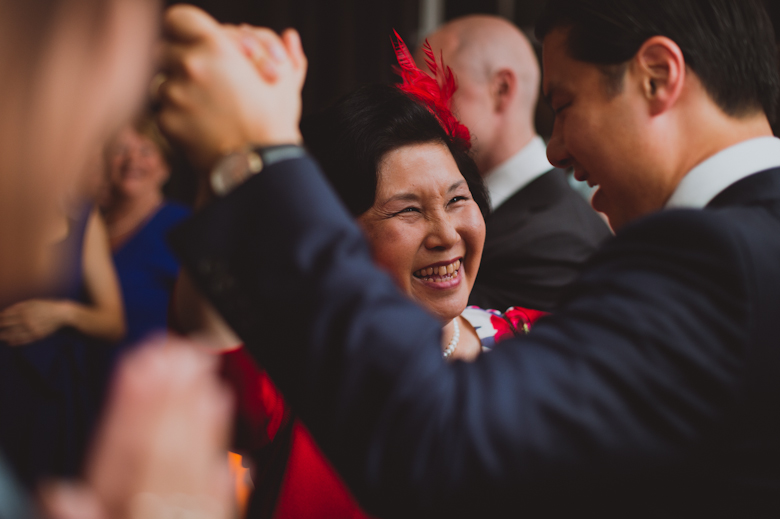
{"type": "Point", "coordinates": [682, 228]}
{"type": "Point", "coordinates": [679, 243]}
{"type": "Point", "coordinates": [547, 209]}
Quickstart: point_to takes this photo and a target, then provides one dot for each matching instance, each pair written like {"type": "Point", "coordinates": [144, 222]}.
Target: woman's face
{"type": "Point", "coordinates": [425, 228]}
{"type": "Point", "coordinates": [135, 165]}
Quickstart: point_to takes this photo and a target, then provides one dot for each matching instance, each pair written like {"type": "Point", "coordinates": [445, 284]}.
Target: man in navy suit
{"type": "Point", "coordinates": [540, 231]}
{"type": "Point", "coordinates": [654, 390]}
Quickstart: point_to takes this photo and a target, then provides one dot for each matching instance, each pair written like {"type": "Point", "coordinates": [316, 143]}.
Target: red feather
{"type": "Point", "coordinates": [435, 92]}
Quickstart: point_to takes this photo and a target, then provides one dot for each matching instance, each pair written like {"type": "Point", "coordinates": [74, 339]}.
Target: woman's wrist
{"type": "Point", "coordinates": [64, 312]}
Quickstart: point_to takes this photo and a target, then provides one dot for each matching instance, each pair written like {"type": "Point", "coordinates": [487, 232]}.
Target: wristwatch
{"type": "Point", "coordinates": [233, 169]}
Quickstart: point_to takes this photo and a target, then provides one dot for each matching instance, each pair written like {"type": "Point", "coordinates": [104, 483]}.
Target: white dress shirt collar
{"type": "Point", "coordinates": [515, 173]}
{"type": "Point", "coordinates": [705, 181]}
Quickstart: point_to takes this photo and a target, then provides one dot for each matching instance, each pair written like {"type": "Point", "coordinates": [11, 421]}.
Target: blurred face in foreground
{"type": "Point", "coordinates": [66, 85]}
{"type": "Point", "coordinates": [94, 77]}
{"type": "Point", "coordinates": [425, 228]}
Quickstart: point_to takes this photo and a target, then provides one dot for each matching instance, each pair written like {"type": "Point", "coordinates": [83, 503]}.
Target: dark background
{"type": "Point", "coordinates": [348, 41]}
{"type": "Point", "coordinates": [348, 44]}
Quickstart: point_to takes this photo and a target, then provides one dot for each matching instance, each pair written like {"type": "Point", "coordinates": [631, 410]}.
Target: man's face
{"type": "Point", "coordinates": [608, 138]}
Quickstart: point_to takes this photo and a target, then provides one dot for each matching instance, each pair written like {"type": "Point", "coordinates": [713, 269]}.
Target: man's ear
{"type": "Point", "coordinates": [661, 69]}
{"type": "Point", "coordinates": [503, 88]}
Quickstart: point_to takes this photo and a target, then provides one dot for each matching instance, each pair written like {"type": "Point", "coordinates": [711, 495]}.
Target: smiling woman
{"type": "Point", "coordinates": [138, 217]}
{"type": "Point", "coordinates": [415, 192]}
{"type": "Point", "coordinates": [426, 230]}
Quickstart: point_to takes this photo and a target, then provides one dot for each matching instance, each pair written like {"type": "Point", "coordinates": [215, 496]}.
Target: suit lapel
{"type": "Point", "coordinates": [758, 187]}
{"type": "Point", "coordinates": [537, 195]}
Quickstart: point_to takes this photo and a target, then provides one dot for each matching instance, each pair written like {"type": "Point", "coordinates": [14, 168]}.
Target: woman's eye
{"type": "Point", "coordinates": [458, 199]}
{"type": "Point", "coordinates": [408, 210]}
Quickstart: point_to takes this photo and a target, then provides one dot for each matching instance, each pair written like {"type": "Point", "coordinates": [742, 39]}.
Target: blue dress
{"type": "Point", "coordinates": [48, 388]}
{"type": "Point", "coordinates": [147, 272]}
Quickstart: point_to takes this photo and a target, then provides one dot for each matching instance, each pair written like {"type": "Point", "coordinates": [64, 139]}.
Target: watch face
{"type": "Point", "coordinates": [231, 170]}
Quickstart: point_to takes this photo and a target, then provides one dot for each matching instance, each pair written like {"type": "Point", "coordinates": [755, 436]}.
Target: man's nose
{"type": "Point", "coordinates": [557, 153]}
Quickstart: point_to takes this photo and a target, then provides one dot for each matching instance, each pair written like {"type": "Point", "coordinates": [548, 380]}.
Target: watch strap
{"type": "Point", "coordinates": [271, 155]}
{"type": "Point", "coordinates": [233, 169]}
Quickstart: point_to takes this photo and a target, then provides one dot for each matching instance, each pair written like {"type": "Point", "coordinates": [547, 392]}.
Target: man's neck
{"type": "Point", "coordinates": [727, 167]}
{"type": "Point", "coordinates": [506, 146]}
{"type": "Point", "coordinates": [518, 171]}
{"type": "Point", "coordinates": [720, 132]}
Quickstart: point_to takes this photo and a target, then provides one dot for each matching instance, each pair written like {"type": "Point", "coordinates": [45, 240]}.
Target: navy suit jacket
{"type": "Point", "coordinates": [535, 245]}
{"type": "Point", "coordinates": [654, 390]}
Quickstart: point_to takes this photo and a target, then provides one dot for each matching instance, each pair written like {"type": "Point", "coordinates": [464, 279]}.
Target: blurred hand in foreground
{"type": "Point", "coordinates": [161, 450]}
{"type": "Point", "coordinates": [227, 87]}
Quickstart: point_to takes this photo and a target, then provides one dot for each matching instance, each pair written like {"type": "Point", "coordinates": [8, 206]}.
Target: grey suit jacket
{"type": "Point", "coordinates": [536, 244]}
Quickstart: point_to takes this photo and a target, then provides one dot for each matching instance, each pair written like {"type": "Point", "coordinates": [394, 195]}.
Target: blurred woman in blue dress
{"type": "Point", "coordinates": [138, 218]}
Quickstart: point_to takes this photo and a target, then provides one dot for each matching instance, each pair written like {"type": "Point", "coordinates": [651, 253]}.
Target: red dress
{"type": "Point", "coordinates": [292, 478]}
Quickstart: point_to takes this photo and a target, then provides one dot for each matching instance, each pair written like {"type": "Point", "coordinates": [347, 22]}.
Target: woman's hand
{"type": "Point", "coordinates": [32, 320]}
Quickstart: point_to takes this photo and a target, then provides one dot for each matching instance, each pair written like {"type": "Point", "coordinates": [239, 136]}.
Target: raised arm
{"type": "Point", "coordinates": [580, 407]}
{"type": "Point", "coordinates": [570, 416]}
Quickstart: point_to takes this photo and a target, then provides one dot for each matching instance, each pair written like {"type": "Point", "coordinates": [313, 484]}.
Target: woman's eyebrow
{"type": "Point", "coordinates": [404, 197]}
{"type": "Point", "coordinates": [413, 197]}
{"type": "Point", "coordinates": [456, 185]}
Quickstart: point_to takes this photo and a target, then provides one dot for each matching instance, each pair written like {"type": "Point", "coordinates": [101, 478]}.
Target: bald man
{"type": "Point", "coordinates": [540, 231]}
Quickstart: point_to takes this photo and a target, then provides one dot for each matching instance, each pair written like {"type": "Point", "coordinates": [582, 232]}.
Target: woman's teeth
{"type": "Point", "coordinates": [440, 273]}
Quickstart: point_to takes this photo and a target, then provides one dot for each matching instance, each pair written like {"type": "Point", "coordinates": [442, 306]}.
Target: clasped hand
{"type": "Point", "coordinates": [228, 86]}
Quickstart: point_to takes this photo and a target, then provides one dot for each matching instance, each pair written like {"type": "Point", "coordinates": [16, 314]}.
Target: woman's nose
{"type": "Point", "coordinates": [557, 153]}
{"type": "Point", "coordinates": [443, 234]}
{"type": "Point", "coordinates": [134, 154]}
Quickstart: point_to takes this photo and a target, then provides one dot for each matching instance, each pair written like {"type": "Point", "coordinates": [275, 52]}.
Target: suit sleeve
{"type": "Point", "coordinates": [624, 381]}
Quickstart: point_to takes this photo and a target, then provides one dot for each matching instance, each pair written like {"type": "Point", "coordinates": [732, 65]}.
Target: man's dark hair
{"type": "Point", "coordinates": [728, 44]}
{"type": "Point", "coordinates": [350, 138]}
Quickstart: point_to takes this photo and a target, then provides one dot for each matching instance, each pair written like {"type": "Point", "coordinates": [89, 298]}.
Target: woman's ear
{"type": "Point", "coordinates": [661, 69]}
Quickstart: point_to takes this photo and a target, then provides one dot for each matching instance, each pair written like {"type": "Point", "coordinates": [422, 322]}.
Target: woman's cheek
{"type": "Point", "coordinates": [474, 231]}
{"type": "Point", "coordinates": [391, 250]}
{"type": "Point", "coordinates": [475, 228]}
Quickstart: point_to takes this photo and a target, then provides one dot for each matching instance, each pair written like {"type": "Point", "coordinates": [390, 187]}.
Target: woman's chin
{"type": "Point", "coordinates": [445, 309]}
{"type": "Point", "coordinates": [444, 296]}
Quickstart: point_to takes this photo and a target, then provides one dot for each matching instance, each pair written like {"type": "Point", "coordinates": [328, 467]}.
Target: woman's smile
{"type": "Point", "coordinates": [442, 275]}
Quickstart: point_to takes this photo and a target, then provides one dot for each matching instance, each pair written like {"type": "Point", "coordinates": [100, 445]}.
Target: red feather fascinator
{"type": "Point", "coordinates": [434, 92]}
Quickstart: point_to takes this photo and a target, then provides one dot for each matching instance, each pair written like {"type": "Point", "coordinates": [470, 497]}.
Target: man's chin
{"type": "Point", "coordinates": [599, 201]}
{"type": "Point", "coordinates": [618, 217]}
{"type": "Point", "coordinates": [613, 215]}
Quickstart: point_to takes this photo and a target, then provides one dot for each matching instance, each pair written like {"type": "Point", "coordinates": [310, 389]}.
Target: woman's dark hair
{"type": "Point", "coordinates": [728, 44]}
{"type": "Point", "coordinates": [350, 138]}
